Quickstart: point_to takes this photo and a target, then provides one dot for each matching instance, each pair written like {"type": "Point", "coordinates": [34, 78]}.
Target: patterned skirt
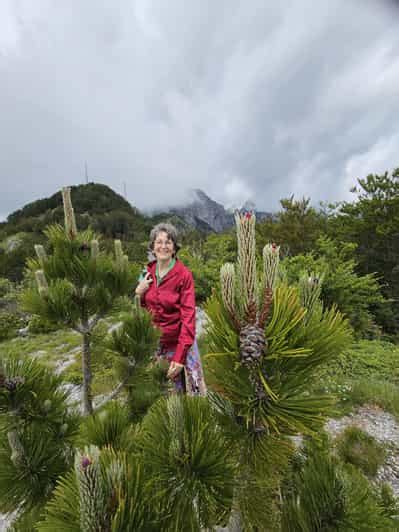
{"type": "Point", "coordinates": [191, 379]}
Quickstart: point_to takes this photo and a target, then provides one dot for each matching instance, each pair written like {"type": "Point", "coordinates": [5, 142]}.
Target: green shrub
{"type": "Point", "coordinates": [5, 286]}
{"type": "Point", "coordinates": [355, 295]}
{"type": "Point", "coordinates": [322, 495]}
{"type": "Point", "coordinates": [366, 372]}
{"type": "Point", "coordinates": [376, 360]}
{"type": "Point", "coordinates": [387, 500]}
{"type": "Point", "coordinates": [358, 448]}
{"type": "Point", "coordinates": [39, 325]}
{"type": "Point", "coordinates": [73, 373]}
{"type": "Point", "coordinates": [9, 323]}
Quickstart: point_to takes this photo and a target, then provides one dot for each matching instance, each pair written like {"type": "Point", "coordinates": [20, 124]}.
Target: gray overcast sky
{"type": "Point", "coordinates": [244, 99]}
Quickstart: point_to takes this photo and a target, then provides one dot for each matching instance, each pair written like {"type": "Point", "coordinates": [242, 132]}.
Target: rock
{"type": "Point", "coordinates": [6, 520]}
{"type": "Point", "coordinates": [23, 332]}
{"type": "Point", "coordinates": [12, 243]}
{"type": "Point", "coordinates": [201, 321]}
{"type": "Point", "coordinates": [379, 424]}
{"type": "Point", "coordinates": [75, 395]}
{"type": "Point", "coordinates": [38, 354]}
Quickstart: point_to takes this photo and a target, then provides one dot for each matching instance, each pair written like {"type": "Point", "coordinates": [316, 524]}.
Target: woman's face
{"type": "Point", "coordinates": [163, 246]}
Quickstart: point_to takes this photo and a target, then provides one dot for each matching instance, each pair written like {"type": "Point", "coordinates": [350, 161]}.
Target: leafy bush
{"type": "Point", "coordinates": [5, 286]}
{"type": "Point", "coordinates": [364, 360]}
{"type": "Point", "coordinates": [205, 259]}
{"type": "Point", "coordinates": [354, 294]}
{"type": "Point", "coordinates": [387, 501]}
{"type": "Point", "coordinates": [39, 325]}
{"type": "Point", "coordinates": [358, 448]}
{"type": "Point", "coordinates": [366, 372]}
{"type": "Point", "coordinates": [9, 323]}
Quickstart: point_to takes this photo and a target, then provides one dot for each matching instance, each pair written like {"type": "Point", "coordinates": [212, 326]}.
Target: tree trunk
{"type": "Point", "coordinates": [87, 376]}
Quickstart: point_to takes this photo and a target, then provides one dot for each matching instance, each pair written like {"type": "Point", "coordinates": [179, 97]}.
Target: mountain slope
{"type": "Point", "coordinates": [205, 214]}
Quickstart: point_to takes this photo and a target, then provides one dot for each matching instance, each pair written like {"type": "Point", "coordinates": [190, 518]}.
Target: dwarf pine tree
{"type": "Point", "coordinates": [77, 284]}
{"type": "Point", "coordinates": [266, 340]}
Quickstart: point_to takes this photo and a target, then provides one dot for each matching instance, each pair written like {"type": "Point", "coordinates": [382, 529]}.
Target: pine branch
{"type": "Point", "coordinates": [112, 395]}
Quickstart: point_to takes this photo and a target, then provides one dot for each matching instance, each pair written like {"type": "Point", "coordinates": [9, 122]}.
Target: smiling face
{"type": "Point", "coordinates": [164, 247]}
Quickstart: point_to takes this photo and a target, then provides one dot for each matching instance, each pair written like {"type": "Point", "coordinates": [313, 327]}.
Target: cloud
{"type": "Point", "coordinates": [237, 192]}
{"type": "Point", "coordinates": [379, 158]}
{"type": "Point", "coordinates": [236, 98]}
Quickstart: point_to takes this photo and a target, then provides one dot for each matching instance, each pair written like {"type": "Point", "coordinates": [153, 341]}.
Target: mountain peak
{"type": "Point", "coordinates": [204, 213]}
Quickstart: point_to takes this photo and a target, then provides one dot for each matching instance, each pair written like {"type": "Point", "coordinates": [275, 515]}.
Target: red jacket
{"type": "Point", "coordinates": [172, 305]}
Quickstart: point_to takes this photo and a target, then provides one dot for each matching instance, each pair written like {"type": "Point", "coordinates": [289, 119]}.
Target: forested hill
{"type": "Point", "coordinates": [91, 203]}
{"type": "Point", "coordinates": [95, 205]}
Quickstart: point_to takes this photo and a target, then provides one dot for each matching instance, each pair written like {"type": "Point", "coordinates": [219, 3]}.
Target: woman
{"type": "Point", "coordinates": [166, 290]}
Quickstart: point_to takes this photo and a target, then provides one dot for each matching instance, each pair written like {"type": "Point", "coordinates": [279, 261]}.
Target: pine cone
{"type": "Point", "coordinates": [252, 344]}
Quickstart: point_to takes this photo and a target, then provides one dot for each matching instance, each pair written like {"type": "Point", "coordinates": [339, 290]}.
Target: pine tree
{"type": "Point", "coordinates": [266, 340]}
{"type": "Point", "coordinates": [36, 437]}
{"type": "Point", "coordinates": [77, 284]}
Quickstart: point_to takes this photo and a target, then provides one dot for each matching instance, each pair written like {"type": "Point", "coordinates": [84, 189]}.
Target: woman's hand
{"type": "Point", "coordinates": [174, 369]}
{"type": "Point", "coordinates": [144, 284]}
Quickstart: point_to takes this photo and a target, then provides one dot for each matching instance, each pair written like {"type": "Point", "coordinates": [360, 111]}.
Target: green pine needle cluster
{"type": "Point", "coordinates": [296, 348]}
{"type": "Point", "coordinates": [324, 495]}
{"type": "Point", "coordinates": [37, 434]}
{"type": "Point", "coordinates": [80, 285]}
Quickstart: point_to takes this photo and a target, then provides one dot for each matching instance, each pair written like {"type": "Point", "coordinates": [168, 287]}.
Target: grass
{"type": "Point", "coordinates": [52, 346]}
{"type": "Point", "coordinates": [368, 372]}
{"type": "Point", "coordinates": [383, 394]}
{"type": "Point", "coordinates": [366, 359]}
{"type": "Point", "coordinates": [358, 448]}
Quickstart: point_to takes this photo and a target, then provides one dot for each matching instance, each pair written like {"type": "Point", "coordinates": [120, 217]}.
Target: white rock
{"type": "Point", "coordinates": [201, 321]}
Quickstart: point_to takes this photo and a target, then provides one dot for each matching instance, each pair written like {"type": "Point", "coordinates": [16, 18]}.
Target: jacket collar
{"type": "Point", "coordinates": [177, 268]}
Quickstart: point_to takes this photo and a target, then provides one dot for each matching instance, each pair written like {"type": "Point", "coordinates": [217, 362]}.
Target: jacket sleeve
{"type": "Point", "coordinates": [187, 317]}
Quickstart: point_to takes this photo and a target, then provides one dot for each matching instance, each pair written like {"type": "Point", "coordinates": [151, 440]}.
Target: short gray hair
{"type": "Point", "coordinates": [167, 228]}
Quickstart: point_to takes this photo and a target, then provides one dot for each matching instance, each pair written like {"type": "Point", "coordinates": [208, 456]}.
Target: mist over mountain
{"type": "Point", "coordinates": [203, 213]}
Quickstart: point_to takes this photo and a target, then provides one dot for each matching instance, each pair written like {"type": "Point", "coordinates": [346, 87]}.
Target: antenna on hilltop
{"type": "Point", "coordinates": [86, 173]}
{"type": "Point", "coordinates": [124, 190]}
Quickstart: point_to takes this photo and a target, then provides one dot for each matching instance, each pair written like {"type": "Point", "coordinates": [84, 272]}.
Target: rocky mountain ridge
{"type": "Point", "coordinates": [205, 214]}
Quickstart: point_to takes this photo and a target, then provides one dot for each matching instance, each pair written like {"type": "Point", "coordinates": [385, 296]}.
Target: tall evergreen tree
{"type": "Point", "coordinates": [372, 223]}
{"type": "Point", "coordinates": [296, 227]}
